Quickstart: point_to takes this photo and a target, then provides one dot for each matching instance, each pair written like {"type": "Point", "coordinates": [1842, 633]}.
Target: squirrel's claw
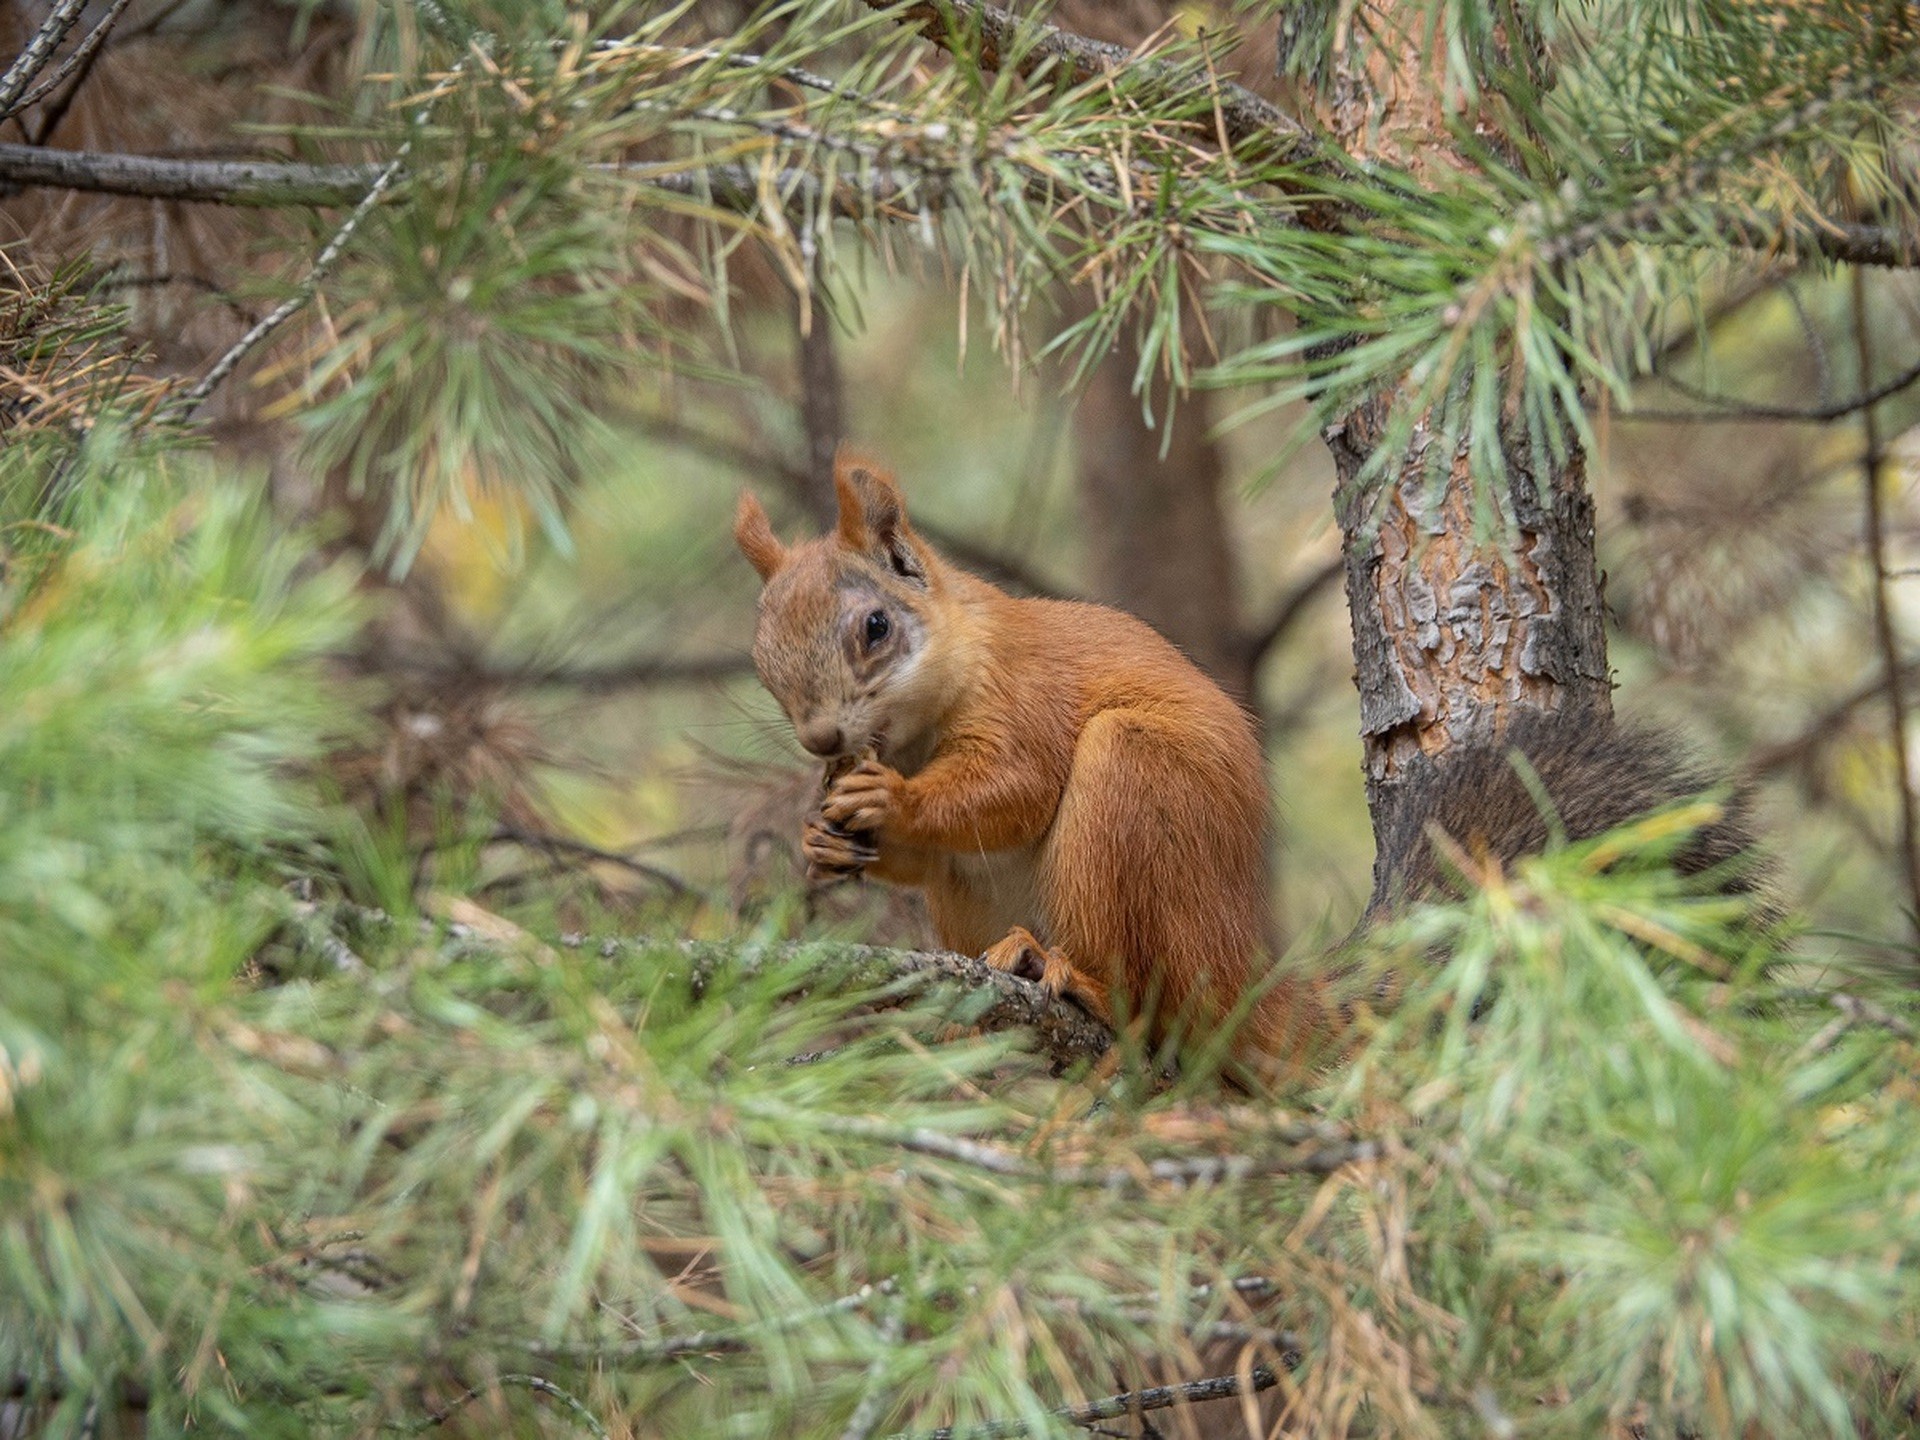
{"type": "Point", "coordinates": [831, 853]}
{"type": "Point", "coordinates": [1046, 966]}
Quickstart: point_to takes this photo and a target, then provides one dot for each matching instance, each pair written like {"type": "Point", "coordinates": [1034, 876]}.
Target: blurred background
{"type": "Point", "coordinates": [566, 697]}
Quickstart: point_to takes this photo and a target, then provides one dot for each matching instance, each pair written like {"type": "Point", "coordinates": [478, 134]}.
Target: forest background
{"type": "Point", "coordinates": [353, 1099]}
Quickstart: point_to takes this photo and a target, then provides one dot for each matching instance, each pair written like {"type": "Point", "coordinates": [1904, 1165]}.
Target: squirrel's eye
{"type": "Point", "coordinates": [878, 627]}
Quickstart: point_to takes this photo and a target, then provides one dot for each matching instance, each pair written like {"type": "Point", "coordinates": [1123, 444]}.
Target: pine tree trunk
{"type": "Point", "coordinates": [1458, 628]}
{"type": "Point", "coordinates": [1456, 632]}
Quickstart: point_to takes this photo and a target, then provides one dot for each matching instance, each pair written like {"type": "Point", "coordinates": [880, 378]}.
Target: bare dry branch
{"type": "Point", "coordinates": [528, 1382]}
{"type": "Point", "coordinates": [1731, 408]}
{"type": "Point", "coordinates": [309, 287]}
{"type": "Point", "coordinates": [1292, 606]}
{"type": "Point", "coordinates": [1135, 1402]}
{"type": "Point", "coordinates": [214, 182]}
{"type": "Point", "coordinates": [39, 49]}
{"type": "Point", "coordinates": [1322, 1158]}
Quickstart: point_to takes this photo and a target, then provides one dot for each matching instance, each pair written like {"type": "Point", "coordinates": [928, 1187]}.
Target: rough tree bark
{"type": "Point", "coordinates": [1456, 632]}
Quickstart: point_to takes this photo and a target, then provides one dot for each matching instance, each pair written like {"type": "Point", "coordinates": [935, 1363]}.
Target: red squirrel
{"type": "Point", "coordinates": [1083, 806]}
{"type": "Point", "coordinates": [1079, 803]}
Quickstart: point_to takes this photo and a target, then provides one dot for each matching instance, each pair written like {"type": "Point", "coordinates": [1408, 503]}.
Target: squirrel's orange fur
{"type": "Point", "coordinates": [1076, 799]}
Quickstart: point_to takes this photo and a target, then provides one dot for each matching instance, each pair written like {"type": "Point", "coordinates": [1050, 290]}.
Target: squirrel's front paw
{"type": "Point", "coordinates": [863, 799]}
{"type": "Point", "coordinates": [831, 853]}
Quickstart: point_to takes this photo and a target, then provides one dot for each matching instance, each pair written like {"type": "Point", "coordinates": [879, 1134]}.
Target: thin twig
{"type": "Point", "coordinates": [1145, 1312]}
{"type": "Point", "coordinates": [154, 21]}
{"type": "Point", "coordinates": [315, 934]}
{"type": "Point", "coordinates": [1865, 1012]}
{"type": "Point", "coordinates": [190, 402]}
{"type": "Point", "coordinates": [636, 672]}
{"type": "Point", "coordinates": [530, 1382]}
{"type": "Point", "coordinates": [39, 49]}
{"type": "Point", "coordinates": [1089, 1414]}
{"type": "Point", "coordinates": [82, 56]}
{"type": "Point", "coordinates": [1816, 342]}
{"type": "Point", "coordinates": [874, 191]}
{"type": "Point", "coordinates": [1824, 727]}
{"type": "Point", "coordinates": [1293, 605]}
{"type": "Point", "coordinates": [555, 845]}
{"type": "Point", "coordinates": [1883, 630]}
{"type": "Point", "coordinates": [974, 556]}
{"type": "Point", "coordinates": [734, 59]}
{"type": "Point", "coordinates": [1319, 1159]}
{"type": "Point", "coordinates": [1732, 408]}
{"type": "Point", "coordinates": [1855, 1012]}
{"type": "Point", "coordinates": [873, 1401]}
{"type": "Point", "coordinates": [740, 1340]}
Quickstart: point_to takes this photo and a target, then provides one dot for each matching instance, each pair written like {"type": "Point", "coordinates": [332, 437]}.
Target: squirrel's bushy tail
{"type": "Point", "coordinates": [1596, 776]}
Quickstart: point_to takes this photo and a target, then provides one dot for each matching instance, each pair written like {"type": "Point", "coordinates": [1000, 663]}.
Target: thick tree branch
{"type": "Point", "coordinates": [215, 182]}
{"type": "Point", "coordinates": [1005, 1002]}
{"type": "Point", "coordinates": [1029, 44]}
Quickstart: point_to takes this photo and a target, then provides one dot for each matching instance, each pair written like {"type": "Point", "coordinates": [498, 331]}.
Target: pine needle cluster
{"type": "Point", "coordinates": [581, 196]}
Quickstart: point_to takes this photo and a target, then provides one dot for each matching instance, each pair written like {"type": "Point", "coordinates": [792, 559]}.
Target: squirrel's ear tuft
{"type": "Point", "coordinates": [753, 533]}
{"type": "Point", "coordinates": [873, 517]}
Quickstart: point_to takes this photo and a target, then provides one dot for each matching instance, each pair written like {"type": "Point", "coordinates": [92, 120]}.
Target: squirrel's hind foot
{"type": "Point", "coordinates": [1020, 953]}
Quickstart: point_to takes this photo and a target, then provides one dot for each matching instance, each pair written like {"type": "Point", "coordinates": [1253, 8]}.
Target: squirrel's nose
{"type": "Point", "coordinates": [822, 737]}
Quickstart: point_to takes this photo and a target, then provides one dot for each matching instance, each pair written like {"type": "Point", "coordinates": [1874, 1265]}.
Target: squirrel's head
{"type": "Point", "coordinates": [842, 638]}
